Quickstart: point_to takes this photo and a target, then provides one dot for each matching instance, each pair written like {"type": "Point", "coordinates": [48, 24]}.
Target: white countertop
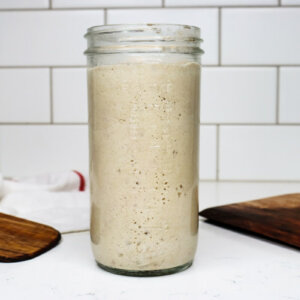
{"type": "Point", "coordinates": [228, 265]}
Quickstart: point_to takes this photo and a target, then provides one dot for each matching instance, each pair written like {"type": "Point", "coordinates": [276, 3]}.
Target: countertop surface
{"type": "Point", "coordinates": [228, 264]}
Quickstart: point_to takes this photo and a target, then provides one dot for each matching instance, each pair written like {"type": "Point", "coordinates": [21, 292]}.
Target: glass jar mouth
{"type": "Point", "coordinates": [104, 29]}
{"type": "Point", "coordinates": [143, 38]}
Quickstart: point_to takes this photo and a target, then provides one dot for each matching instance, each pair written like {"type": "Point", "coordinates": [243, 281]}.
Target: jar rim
{"type": "Point", "coordinates": [113, 28]}
{"type": "Point", "coordinates": [143, 38]}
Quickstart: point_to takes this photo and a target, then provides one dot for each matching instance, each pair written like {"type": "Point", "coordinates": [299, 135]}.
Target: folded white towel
{"type": "Point", "coordinates": [63, 181]}
{"type": "Point", "coordinates": [60, 200]}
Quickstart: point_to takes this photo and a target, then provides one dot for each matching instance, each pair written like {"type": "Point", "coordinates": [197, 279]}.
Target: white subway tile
{"type": "Point", "coordinates": [220, 2]}
{"type": "Point", "coordinates": [207, 159]}
{"type": "Point", "coordinates": [290, 2]}
{"type": "Point", "coordinates": [45, 37]}
{"type": "Point", "coordinates": [70, 95]}
{"type": "Point", "coordinates": [105, 3]}
{"type": "Point", "coordinates": [261, 36]}
{"type": "Point", "coordinates": [289, 111]}
{"type": "Point", "coordinates": [260, 152]}
{"type": "Point", "coordinates": [206, 19]}
{"type": "Point", "coordinates": [17, 4]}
{"type": "Point", "coordinates": [238, 95]}
{"type": "Point", "coordinates": [27, 150]}
{"type": "Point", "coordinates": [225, 192]}
{"type": "Point", "coordinates": [24, 95]}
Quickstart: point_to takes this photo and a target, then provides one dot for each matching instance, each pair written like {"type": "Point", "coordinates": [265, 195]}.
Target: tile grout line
{"type": "Point", "coordinates": [42, 123]}
{"type": "Point", "coordinates": [42, 66]}
{"type": "Point", "coordinates": [51, 94]}
{"type": "Point", "coordinates": [277, 94]}
{"type": "Point", "coordinates": [259, 181]}
{"type": "Point", "coordinates": [250, 124]}
{"type": "Point", "coordinates": [219, 36]}
{"type": "Point", "coordinates": [251, 181]}
{"type": "Point", "coordinates": [217, 152]}
{"type": "Point", "coordinates": [163, 3]}
{"type": "Point", "coordinates": [105, 16]}
{"type": "Point", "coordinates": [216, 6]}
{"type": "Point", "coordinates": [50, 4]}
{"type": "Point", "coordinates": [203, 65]}
{"type": "Point", "coordinates": [201, 124]}
{"type": "Point", "coordinates": [148, 7]}
{"type": "Point", "coordinates": [251, 65]}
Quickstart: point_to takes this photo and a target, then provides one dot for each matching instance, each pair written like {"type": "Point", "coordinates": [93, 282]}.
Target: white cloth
{"type": "Point", "coordinates": [63, 181]}
{"type": "Point", "coordinates": [52, 199]}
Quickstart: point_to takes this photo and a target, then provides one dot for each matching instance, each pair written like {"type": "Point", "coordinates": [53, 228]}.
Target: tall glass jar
{"type": "Point", "coordinates": [143, 88]}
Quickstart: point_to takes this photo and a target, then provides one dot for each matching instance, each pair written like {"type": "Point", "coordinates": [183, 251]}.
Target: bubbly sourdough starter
{"type": "Point", "coordinates": [144, 164]}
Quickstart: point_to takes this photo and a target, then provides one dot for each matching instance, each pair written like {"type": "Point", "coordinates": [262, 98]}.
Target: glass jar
{"type": "Point", "coordinates": [143, 89]}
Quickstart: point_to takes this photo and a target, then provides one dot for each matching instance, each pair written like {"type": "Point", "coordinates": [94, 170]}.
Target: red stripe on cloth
{"type": "Point", "coordinates": [81, 182]}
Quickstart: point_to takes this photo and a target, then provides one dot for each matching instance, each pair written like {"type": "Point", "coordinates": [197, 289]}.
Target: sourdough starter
{"type": "Point", "coordinates": [144, 164]}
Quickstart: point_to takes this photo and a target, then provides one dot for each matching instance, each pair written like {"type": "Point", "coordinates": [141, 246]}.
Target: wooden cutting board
{"type": "Point", "coordinates": [22, 239]}
{"type": "Point", "coordinates": [277, 217]}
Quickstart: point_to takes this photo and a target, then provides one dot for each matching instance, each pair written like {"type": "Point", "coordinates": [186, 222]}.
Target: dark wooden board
{"type": "Point", "coordinates": [277, 217]}
{"type": "Point", "coordinates": [22, 239]}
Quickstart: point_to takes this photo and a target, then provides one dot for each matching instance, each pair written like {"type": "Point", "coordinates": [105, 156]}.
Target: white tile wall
{"type": "Point", "coordinates": [17, 4]}
{"type": "Point", "coordinates": [259, 153]}
{"type": "Point", "coordinates": [290, 2]}
{"type": "Point", "coordinates": [24, 95]}
{"type": "Point", "coordinates": [243, 191]}
{"type": "Point", "coordinates": [42, 38]}
{"type": "Point", "coordinates": [261, 36]}
{"type": "Point", "coordinates": [26, 150]}
{"type": "Point", "coordinates": [289, 95]}
{"type": "Point", "coordinates": [105, 3]}
{"type": "Point", "coordinates": [206, 19]}
{"type": "Point", "coordinates": [249, 84]}
{"type": "Point", "coordinates": [207, 158]}
{"type": "Point", "coordinates": [238, 95]}
{"type": "Point", "coordinates": [69, 95]}
{"type": "Point", "coordinates": [220, 2]}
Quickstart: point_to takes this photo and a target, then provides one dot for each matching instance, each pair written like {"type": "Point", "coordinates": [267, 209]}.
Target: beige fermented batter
{"type": "Point", "coordinates": [144, 164]}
